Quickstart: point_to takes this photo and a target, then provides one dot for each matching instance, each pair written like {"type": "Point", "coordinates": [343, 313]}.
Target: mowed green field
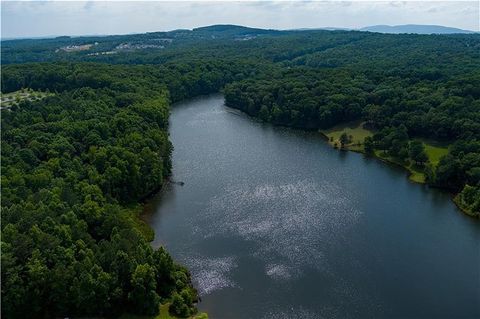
{"type": "Point", "coordinates": [435, 150]}
{"type": "Point", "coordinates": [355, 129]}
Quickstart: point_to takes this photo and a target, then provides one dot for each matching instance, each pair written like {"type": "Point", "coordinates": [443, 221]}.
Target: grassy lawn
{"type": "Point", "coordinates": [434, 152]}
{"type": "Point", "coordinates": [416, 174]}
{"type": "Point", "coordinates": [355, 129]}
{"type": "Point", "coordinates": [434, 149]}
{"type": "Point", "coordinates": [162, 315]}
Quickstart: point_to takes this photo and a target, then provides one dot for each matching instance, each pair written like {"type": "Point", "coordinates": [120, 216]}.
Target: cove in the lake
{"type": "Point", "coordinates": [274, 223]}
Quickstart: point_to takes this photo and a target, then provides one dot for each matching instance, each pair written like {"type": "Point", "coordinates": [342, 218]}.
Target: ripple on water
{"type": "Point", "coordinates": [210, 274]}
{"type": "Point", "coordinates": [278, 271]}
{"type": "Point", "coordinates": [292, 313]}
{"type": "Point", "coordinates": [203, 118]}
{"type": "Point", "coordinates": [291, 225]}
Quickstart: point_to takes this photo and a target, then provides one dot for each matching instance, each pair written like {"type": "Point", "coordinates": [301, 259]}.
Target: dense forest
{"type": "Point", "coordinates": [403, 88]}
{"type": "Point", "coordinates": [77, 163]}
{"type": "Point", "coordinates": [73, 165]}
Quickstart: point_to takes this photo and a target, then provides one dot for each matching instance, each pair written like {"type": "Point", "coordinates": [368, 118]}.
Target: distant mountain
{"type": "Point", "coordinates": [322, 29]}
{"type": "Point", "coordinates": [238, 32]}
{"type": "Point", "coordinates": [226, 30]}
{"type": "Point", "coordinates": [414, 28]}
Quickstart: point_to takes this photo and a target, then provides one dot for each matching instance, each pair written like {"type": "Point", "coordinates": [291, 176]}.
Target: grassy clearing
{"type": "Point", "coordinates": [434, 149]}
{"type": "Point", "coordinates": [353, 129]}
{"type": "Point", "coordinates": [15, 98]}
{"type": "Point", "coordinates": [163, 314]}
{"type": "Point", "coordinates": [416, 175]}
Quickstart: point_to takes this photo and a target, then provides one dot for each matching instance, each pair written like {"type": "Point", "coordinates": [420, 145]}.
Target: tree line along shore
{"type": "Point", "coordinates": [79, 157]}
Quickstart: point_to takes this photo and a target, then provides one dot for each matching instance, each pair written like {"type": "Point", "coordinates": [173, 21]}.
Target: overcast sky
{"type": "Point", "coordinates": [48, 18]}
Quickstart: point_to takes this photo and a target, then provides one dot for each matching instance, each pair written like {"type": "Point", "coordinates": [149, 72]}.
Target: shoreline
{"type": "Point", "coordinates": [454, 197]}
{"type": "Point", "coordinates": [383, 159]}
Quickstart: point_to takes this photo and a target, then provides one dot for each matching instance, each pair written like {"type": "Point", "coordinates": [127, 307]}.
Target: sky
{"type": "Point", "coordinates": [53, 18]}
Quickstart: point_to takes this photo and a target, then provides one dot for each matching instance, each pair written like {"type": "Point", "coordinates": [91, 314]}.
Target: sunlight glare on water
{"type": "Point", "coordinates": [274, 223]}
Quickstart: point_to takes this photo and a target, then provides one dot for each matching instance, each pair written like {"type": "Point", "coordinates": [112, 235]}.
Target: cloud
{"type": "Point", "coordinates": [43, 18]}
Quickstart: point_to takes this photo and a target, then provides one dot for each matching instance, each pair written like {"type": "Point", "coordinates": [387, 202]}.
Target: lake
{"type": "Point", "coordinates": [274, 223]}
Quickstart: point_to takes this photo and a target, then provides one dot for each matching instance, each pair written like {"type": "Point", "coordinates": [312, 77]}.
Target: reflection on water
{"type": "Point", "coordinates": [273, 223]}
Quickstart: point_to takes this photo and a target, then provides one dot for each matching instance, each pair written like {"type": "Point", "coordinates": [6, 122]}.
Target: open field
{"type": "Point", "coordinates": [354, 129]}
{"type": "Point", "coordinates": [15, 98]}
{"type": "Point", "coordinates": [435, 150]}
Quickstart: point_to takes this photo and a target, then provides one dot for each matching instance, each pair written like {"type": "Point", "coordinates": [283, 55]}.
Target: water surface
{"type": "Point", "coordinates": [274, 223]}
